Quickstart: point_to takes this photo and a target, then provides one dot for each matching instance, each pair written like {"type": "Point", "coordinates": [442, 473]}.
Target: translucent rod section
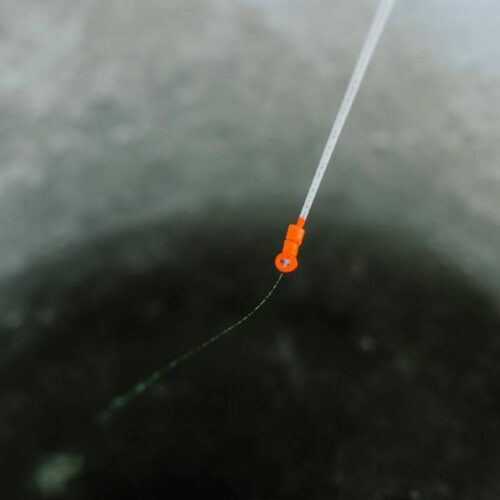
{"type": "Point", "coordinates": [376, 29]}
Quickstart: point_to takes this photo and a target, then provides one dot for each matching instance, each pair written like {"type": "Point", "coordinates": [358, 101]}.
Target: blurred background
{"type": "Point", "coordinates": [152, 154]}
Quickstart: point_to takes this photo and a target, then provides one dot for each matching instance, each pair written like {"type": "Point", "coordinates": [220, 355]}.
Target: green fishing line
{"type": "Point", "coordinates": [124, 399]}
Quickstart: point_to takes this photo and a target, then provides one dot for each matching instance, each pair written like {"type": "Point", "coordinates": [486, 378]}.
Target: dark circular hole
{"type": "Point", "coordinates": [372, 373]}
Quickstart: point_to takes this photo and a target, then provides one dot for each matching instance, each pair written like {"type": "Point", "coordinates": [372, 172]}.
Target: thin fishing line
{"type": "Point", "coordinates": [123, 400]}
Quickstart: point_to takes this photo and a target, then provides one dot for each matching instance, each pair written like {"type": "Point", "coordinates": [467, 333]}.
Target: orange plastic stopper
{"type": "Point", "coordinates": [286, 261]}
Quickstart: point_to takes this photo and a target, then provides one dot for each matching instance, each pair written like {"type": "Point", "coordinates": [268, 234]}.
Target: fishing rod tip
{"type": "Point", "coordinates": [286, 261]}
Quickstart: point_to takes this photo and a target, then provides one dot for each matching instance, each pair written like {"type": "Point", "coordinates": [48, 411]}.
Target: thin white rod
{"type": "Point", "coordinates": [379, 21]}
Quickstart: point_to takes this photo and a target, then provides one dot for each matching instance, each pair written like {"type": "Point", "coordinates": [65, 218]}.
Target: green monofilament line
{"type": "Point", "coordinates": [138, 389]}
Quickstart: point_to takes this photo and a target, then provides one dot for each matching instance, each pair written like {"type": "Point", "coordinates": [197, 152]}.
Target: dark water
{"type": "Point", "coordinates": [372, 373]}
